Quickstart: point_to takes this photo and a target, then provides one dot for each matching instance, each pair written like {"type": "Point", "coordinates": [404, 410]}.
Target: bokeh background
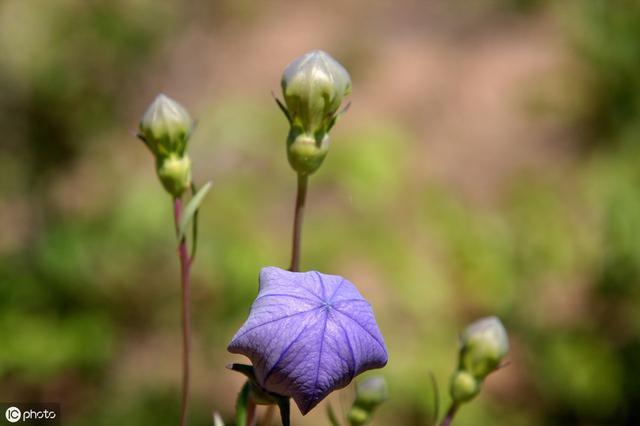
{"type": "Point", "coordinates": [489, 165]}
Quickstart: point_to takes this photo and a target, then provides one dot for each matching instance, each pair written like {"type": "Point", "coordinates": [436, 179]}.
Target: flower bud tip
{"type": "Point", "coordinates": [165, 127]}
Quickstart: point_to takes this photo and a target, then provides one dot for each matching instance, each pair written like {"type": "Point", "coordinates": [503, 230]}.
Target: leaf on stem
{"type": "Point", "coordinates": [282, 107]}
{"type": "Point", "coordinates": [333, 419]}
{"type": "Point", "coordinates": [191, 210]}
{"type": "Point", "coordinates": [242, 404]}
{"type": "Point", "coordinates": [194, 228]}
{"type": "Point", "coordinates": [436, 398]}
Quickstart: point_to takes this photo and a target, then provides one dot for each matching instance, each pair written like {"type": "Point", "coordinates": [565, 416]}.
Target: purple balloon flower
{"type": "Point", "coordinates": [309, 334]}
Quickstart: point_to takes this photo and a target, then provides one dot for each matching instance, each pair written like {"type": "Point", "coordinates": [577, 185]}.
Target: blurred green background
{"type": "Point", "coordinates": [488, 165]}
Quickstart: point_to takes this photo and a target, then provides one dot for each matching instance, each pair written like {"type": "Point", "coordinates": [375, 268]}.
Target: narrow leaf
{"type": "Point", "coordinates": [436, 398]}
{"type": "Point", "coordinates": [194, 228]}
{"type": "Point", "coordinates": [242, 405]}
{"type": "Point", "coordinates": [337, 116]}
{"type": "Point", "coordinates": [282, 107]}
{"type": "Point", "coordinates": [244, 369]}
{"type": "Point", "coordinates": [191, 209]}
{"type": "Point", "coordinates": [332, 416]}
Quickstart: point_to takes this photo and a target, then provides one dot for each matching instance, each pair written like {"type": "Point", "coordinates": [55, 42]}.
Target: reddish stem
{"type": "Point", "coordinates": [266, 420]}
{"type": "Point", "coordinates": [251, 412]}
{"type": "Point", "coordinates": [185, 269]}
{"type": "Point", "coordinates": [450, 414]}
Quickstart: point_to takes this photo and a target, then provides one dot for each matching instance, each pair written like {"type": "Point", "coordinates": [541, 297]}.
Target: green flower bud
{"type": "Point", "coordinates": [174, 173]}
{"type": "Point", "coordinates": [306, 152]}
{"type": "Point", "coordinates": [313, 86]}
{"type": "Point", "coordinates": [484, 344]}
{"type": "Point", "coordinates": [165, 127]}
{"type": "Point", "coordinates": [358, 416]}
{"type": "Point", "coordinates": [371, 392]}
{"type": "Point", "coordinates": [464, 387]}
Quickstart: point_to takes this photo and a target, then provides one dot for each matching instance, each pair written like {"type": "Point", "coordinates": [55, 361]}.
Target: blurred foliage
{"type": "Point", "coordinates": [88, 299]}
{"type": "Point", "coordinates": [606, 36]}
{"type": "Point", "coordinates": [54, 97]}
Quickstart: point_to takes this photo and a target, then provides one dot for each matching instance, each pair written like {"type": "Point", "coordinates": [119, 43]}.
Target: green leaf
{"type": "Point", "coordinates": [282, 108]}
{"type": "Point", "coordinates": [436, 398]}
{"type": "Point", "coordinates": [242, 405]}
{"type": "Point", "coordinates": [332, 416]}
{"type": "Point", "coordinates": [333, 120]}
{"type": "Point", "coordinates": [191, 210]}
{"type": "Point", "coordinates": [194, 228]}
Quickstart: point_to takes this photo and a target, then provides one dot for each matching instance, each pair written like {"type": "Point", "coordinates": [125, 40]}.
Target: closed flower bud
{"type": "Point", "coordinates": [313, 86]}
{"type": "Point", "coordinates": [358, 416]}
{"type": "Point", "coordinates": [464, 387]}
{"type": "Point", "coordinates": [174, 173]}
{"type": "Point", "coordinates": [307, 152]}
{"type": "Point", "coordinates": [371, 392]}
{"type": "Point", "coordinates": [165, 127]}
{"type": "Point", "coordinates": [484, 344]}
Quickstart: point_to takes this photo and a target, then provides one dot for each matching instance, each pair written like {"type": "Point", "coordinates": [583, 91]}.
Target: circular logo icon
{"type": "Point", "coordinates": [12, 414]}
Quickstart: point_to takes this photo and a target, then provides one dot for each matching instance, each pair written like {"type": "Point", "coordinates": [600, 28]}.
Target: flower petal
{"type": "Point", "coordinates": [309, 334]}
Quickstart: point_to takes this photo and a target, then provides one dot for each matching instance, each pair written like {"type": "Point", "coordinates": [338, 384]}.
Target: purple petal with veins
{"type": "Point", "coordinates": [309, 334]}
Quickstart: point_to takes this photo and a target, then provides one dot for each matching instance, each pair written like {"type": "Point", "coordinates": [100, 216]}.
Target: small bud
{"type": "Point", "coordinates": [484, 344]}
{"type": "Point", "coordinates": [358, 416]}
{"type": "Point", "coordinates": [305, 152]}
{"type": "Point", "coordinates": [313, 86]}
{"type": "Point", "coordinates": [371, 392]}
{"type": "Point", "coordinates": [165, 127]}
{"type": "Point", "coordinates": [464, 387]}
{"type": "Point", "coordinates": [174, 173]}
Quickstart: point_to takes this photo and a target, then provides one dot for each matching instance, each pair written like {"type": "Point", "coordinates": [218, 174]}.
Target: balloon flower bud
{"type": "Point", "coordinates": [358, 416]}
{"type": "Point", "coordinates": [370, 393]}
{"type": "Point", "coordinates": [174, 173]}
{"type": "Point", "coordinates": [464, 387]}
{"type": "Point", "coordinates": [165, 127]}
{"type": "Point", "coordinates": [313, 87]}
{"type": "Point", "coordinates": [484, 345]}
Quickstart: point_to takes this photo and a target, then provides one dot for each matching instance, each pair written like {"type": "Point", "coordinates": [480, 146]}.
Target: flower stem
{"type": "Point", "coordinates": [448, 418]}
{"type": "Point", "coordinates": [297, 222]}
{"type": "Point", "coordinates": [251, 412]}
{"type": "Point", "coordinates": [185, 269]}
{"type": "Point", "coordinates": [266, 419]}
{"type": "Point", "coordinates": [301, 197]}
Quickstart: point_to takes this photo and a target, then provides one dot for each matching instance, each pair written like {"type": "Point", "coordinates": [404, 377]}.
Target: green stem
{"type": "Point", "coordinates": [297, 222]}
